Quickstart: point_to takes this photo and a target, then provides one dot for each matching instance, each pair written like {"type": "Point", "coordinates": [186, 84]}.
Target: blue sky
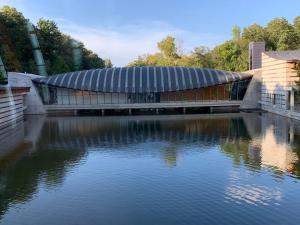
{"type": "Point", "coordinates": [123, 29]}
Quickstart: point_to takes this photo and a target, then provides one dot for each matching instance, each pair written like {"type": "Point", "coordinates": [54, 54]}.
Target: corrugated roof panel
{"type": "Point", "coordinates": [86, 81]}
{"type": "Point", "coordinates": [144, 83]}
{"type": "Point", "coordinates": [94, 80]}
{"type": "Point", "coordinates": [123, 79]}
{"type": "Point", "coordinates": [194, 77]}
{"type": "Point", "coordinates": [142, 79]}
{"type": "Point", "coordinates": [115, 81]}
{"type": "Point", "coordinates": [131, 79]}
{"type": "Point", "coordinates": [151, 79]}
{"type": "Point", "coordinates": [173, 78]}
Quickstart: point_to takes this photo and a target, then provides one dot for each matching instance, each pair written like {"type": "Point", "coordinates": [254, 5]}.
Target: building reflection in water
{"type": "Point", "coordinates": [45, 149]}
{"type": "Point", "coordinates": [275, 147]}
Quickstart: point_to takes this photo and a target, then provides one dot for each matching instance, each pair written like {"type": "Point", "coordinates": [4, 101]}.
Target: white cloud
{"type": "Point", "coordinates": [123, 44]}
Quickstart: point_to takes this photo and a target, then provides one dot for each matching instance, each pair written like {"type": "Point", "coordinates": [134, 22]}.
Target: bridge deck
{"type": "Point", "coordinates": [57, 107]}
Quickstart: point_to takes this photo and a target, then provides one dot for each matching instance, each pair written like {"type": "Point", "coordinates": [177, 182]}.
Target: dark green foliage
{"type": "Point", "coordinates": [16, 49]}
{"type": "Point", "coordinates": [3, 79]}
{"type": "Point", "coordinates": [91, 60]}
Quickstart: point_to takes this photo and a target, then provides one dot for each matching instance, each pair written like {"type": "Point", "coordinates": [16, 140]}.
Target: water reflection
{"type": "Point", "coordinates": [275, 146]}
{"type": "Point", "coordinates": [43, 151]}
{"type": "Point", "coordinates": [253, 194]}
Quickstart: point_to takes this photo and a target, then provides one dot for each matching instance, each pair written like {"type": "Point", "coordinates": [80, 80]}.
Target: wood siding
{"type": "Point", "coordinates": [11, 109]}
{"type": "Point", "coordinates": [278, 77]}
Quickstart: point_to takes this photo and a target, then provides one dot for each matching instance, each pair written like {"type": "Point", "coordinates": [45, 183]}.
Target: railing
{"type": "Point", "coordinates": [297, 107]}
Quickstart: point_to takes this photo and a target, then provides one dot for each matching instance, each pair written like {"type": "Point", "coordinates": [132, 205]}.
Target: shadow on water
{"type": "Point", "coordinates": [42, 150]}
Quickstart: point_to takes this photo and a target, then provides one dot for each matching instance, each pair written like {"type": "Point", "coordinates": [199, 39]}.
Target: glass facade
{"type": "Point", "coordinates": [234, 91]}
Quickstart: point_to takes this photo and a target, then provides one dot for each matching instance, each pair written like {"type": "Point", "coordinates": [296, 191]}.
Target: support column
{"type": "Point", "coordinates": [157, 112]}
{"type": "Point", "coordinates": [291, 133]}
{"type": "Point", "coordinates": [292, 100]}
{"type": "Point", "coordinates": [102, 112]}
{"type": "Point", "coordinates": [129, 111]}
{"type": "Point", "coordinates": [184, 110]}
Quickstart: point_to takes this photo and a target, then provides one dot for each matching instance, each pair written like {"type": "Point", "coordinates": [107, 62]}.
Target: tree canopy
{"type": "Point", "coordinates": [57, 48]}
{"type": "Point", "coordinates": [231, 55]}
{"type": "Point", "coordinates": [62, 55]}
{"type": "Point", "coordinates": [169, 55]}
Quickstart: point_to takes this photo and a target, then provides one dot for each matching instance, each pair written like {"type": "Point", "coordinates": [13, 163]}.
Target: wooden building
{"type": "Point", "coordinates": [280, 82]}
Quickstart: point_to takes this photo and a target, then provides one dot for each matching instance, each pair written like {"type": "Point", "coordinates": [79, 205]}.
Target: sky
{"type": "Point", "coordinates": [124, 29]}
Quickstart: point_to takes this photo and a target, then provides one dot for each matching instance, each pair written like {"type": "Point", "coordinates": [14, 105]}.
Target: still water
{"type": "Point", "coordinates": [156, 170]}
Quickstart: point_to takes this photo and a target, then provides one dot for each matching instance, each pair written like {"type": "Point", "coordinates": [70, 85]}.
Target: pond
{"type": "Point", "coordinates": [240, 168]}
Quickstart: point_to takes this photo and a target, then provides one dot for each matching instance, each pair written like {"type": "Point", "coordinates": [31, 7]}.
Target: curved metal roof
{"type": "Point", "coordinates": [142, 79]}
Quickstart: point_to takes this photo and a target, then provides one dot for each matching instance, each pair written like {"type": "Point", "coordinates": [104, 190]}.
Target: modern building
{"type": "Point", "coordinates": [143, 88]}
{"type": "Point", "coordinates": [271, 84]}
{"type": "Point", "coordinates": [278, 77]}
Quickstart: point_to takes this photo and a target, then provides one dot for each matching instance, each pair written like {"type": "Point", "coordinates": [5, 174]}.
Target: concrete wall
{"type": "Point", "coordinates": [32, 100]}
{"type": "Point", "coordinates": [253, 93]}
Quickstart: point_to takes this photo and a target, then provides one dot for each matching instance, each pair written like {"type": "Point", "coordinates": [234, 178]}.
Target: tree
{"type": "Point", "coordinates": [15, 44]}
{"type": "Point", "coordinates": [254, 32]}
{"type": "Point", "coordinates": [108, 63]}
{"type": "Point", "coordinates": [140, 61]}
{"type": "Point", "coordinates": [168, 47]}
{"type": "Point", "coordinates": [288, 40]}
{"type": "Point", "coordinates": [297, 24]}
{"type": "Point", "coordinates": [230, 56]}
{"type": "Point", "coordinates": [282, 35]}
{"type": "Point", "coordinates": [16, 49]}
{"type": "Point", "coordinates": [90, 60]}
{"type": "Point", "coordinates": [236, 33]}
{"type": "Point", "coordinates": [50, 38]}
{"type": "Point", "coordinates": [59, 65]}
{"type": "Point", "coordinates": [168, 55]}
{"type": "Point", "coordinates": [199, 57]}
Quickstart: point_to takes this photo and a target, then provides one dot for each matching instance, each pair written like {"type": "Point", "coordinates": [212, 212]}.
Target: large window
{"type": "Point", "coordinates": [226, 92]}
{"type": "Point", "coordinates": [143, 98]}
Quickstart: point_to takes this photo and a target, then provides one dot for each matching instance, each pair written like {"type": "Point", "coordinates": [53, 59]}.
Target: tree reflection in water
{"type": "Point", "coordinates": [48, 155]}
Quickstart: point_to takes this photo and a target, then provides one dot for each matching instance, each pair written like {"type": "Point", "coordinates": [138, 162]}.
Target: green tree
{"type": "Point", "coordinates": [17, 52]}
{"type": "Point", "coordinates": [199, 57]}
{"type": "Point", "coordinates": [50, 38]}
{"type": "Point", "coordinates": [231, 56]}
{"type": "Point", "coordinates": [59, 65]}
{"type": "Point", "coordinates": [15, 44]}
{"type": "Point", "coordinates": [168, 47]}
{"type": "Point", "coordinates": [236, 33]}
{"type": "Point", "coordinates": [297, 24]}
{"type": "Point", "coordinates": [108, 63]}
{"type": "Point", "coordinates": [254, 32]}
{"type": "Point", "coordinates": [91, 60]}
{"type": "Point", "coordinates": [282, 35]}
{"type": "Point", "coordinates": [168, 55]}
{"type": "Point", "coordinates": [140, 61]}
